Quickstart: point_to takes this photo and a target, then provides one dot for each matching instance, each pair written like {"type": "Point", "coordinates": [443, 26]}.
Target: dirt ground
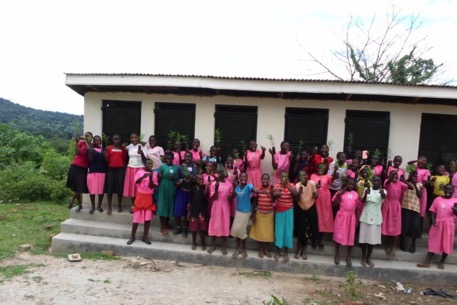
{"type": "Point", "coordinates": [53, 280]}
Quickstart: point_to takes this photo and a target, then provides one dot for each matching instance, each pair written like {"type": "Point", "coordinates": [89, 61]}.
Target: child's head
{"type": "Point", "coordinates": [195, 144]}
{"type": "Point", "coordinates": [152, 141]}
{"type": "Point", "coordinates": [222, 172]}
{"type": "Point", "coordinates": [134, 138]}
{"type": "Point", "coordinates": [243, 178]}
{"type": "Point", "coordinates": [168, 157]}
{"type": "Point", "coordinates": [451, 166]}
{"type": "Point", "coordinates": [252, 145]}
{"type": "Point", "coordinates": [285, 146]}
{"type": "Point", "coordinates": [88, 136]}
{"type": "Point", "coordinates": [324, 150]}
{"type": "Point", "coordinates": [374, 160]}
{"type": "Point", "coordinates": [412, 177]}
{"type": "Point", "coordinates": [235, 152]}
{"type": "Point", "coordinates": [365, 172]}
{"type": "Point", "coordinates": [229, 162]}
{"type": "Point", "coordinates": [422, 162]}
{"type": "Point", "coordinates": [350, 184]}
{"type": "Point", "coordinates": [397, 161]}
{"type": "Point", "coordinates": [284, 178]}
{"type": "Point", "coordinates": [357, 155]}
{"type": "Point", "coordinates": [321, 169]}
{"type": "Point", "coordinates": [212, 150]}
{"type": "Point", "coordinates": [209, 167]}
{"type": "Point", "coordinates": [303, 176]}
{"type": "Point", "coordinates": [177, 146]}
{"type": "Point", "coordinates": [199, 179]}
{"type": "Point", "coordinates": [188, 157]}
{"type": "Point", "coordinates": [355, 165]}
{"type": "Point", "coordinates": [97, 141]}
{"type": "Point", "coordinates": [265, 180]}
{"type": "Point", "coordinates": [116, 140]}
{"type": "Point", "coordinates": [148, 165]}
{"type": "Point", "coordinates": [393, 176]}
{"type": "Point", "coordinates": [440, 169]}
{"type": "Point", "coordinates": [303, 155]}
{"type": "Point", "coordinates": [448, 190]}
{"type": "Point", "coordinates": [376, 181]}
{"type": "Point", "coordinates": [341, 157]}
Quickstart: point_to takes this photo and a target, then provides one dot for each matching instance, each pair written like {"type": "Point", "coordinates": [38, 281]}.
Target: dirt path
{"type": "Point", "coordinates": [51, 280]}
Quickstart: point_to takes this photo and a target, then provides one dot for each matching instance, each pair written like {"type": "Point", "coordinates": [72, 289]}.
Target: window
{"type": "Point", "coordinates": [237, 125]}
{"type": "Point", "coordinates": [367, 130]}
{"type": "Point", "coordinates": [121, 117]}
{"type": "Point", "coordinates": [174, 117]}
{"type": "Point", "coordinates": [435, 138]}
{"type": "Point", "coordinates": [306, 127]}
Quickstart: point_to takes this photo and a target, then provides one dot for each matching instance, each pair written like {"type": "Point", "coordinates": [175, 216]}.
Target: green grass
{"type": "Point", "coordinates": [31, 223]}
{"type": "Point", "coordinates": [255, 273]}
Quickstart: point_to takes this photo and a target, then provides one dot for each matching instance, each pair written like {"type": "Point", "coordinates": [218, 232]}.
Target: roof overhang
{"type": "Point", "coordinates": [262, 87]}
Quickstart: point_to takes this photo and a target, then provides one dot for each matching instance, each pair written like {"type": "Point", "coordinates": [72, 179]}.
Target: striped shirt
{"type": "Point", "coordinates": [264, 201]}
{"type": "Point", "coordinates": [286, 200]}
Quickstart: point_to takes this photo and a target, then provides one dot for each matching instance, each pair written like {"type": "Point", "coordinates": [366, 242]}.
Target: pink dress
{"type": "Point", "coordinates": [176, 157]}
{"type": "Point", "coordinates": [253, 170]}
{"type": "Point", "coordinates": [441, 236]}
{"type": "Point", "coordinates": [283, 162]}
{"type": "Point", "coordinates": [350, 173]}
{"type": "Point", "coordinates": [422, 175]}
{"type": "Point", "coordinates": [377, 170]}
{"type": "Point", "coordinates": [231, 177]}
{"type": "Point", "coordinates": [324, 203]}
{"type": "Point", "coordinates": [345, 220]}
{"type": "Point", "coordinates": [391, 208]}
{"type": "Point", "coordinates": [401, 172]}
{"type": "Point", "coordinates": [238, 164]}
{"type": "Point", "coordinates": [196, 155]}
{"type": "Point", "coordinates": [219, 223]}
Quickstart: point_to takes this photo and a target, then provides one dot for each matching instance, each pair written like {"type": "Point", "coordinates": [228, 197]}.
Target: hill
{"type": "Point", "coordinates": [49, 124]}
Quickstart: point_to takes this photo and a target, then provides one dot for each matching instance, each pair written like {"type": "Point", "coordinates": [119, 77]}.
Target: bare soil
{"type": "Point", "coordinates": [53, 280]}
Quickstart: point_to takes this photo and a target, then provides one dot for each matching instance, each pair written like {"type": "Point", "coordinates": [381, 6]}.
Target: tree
{"type": "Point", "coordinates": [386, 53]}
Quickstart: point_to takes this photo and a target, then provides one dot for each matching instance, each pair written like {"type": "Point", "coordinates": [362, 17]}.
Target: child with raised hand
{"type": "Point", "coordinates": [319, 157]}
{"type": "Point", "coordinates": [136, 158]}
{"type": "Point", "coordinates": [441, 235]}
{"type": "Point", "coordinates": [306, 214]}
{"type": "Point", "coordinates": [185, 175]}
{"type": "Point", "coordinates": [77, 174]}
{"type": "Point", "coordinates": [243, 192]}
{"type": "Point", "coordinates": [300, 164]}
{"type": "Point", "coordinates": [391, 210]}
{"type": "Point", "coordinates": [337, 170]}
{"type": "Point", "coordinates": [232, 176]}
{"type": "Point", "coordinates": [219, 223]}
{"type": "Point", "coordinates": [371, 220]}
{"type": "Point", "coordinates": [143, 207]}
{"type": "Point", "coordinates": [281, 160]}
{"type": "Point", "coordinates": [323, 204]}
{"type": "Point", "coordinates": [116, 158]}
{"type": "Point", "coordinates": [353, 169]}
{"type": "Point", "coordinates": [96, 174]}
{"type": "Point", "coordinates": [167, 189]}
{"type": "Point", "coordinates": [154, 152]}
{"type": "Point", "coordinates": [252, 163]}
{"type": "Point", "coordinates": [410, 212]}
{"type": "Point", "coordinates": [395, 165]}
{"type": "Point", "coordinates": [198, 209]}
{"type": "Point", "coordinates": [262, 229]}
{"type": "Point", "coordinates": [345, 220]}
{"type": "Point", "coordinates": [284, 193]}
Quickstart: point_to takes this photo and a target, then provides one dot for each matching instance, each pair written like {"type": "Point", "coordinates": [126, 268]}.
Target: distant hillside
{"type": "Point", "coordinates": [49, 124]}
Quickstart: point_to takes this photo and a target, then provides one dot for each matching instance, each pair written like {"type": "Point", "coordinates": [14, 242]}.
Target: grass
{"type": "Point", "coordinates": [255, 273]}
{"type": "Point", "coordinates": [31, 223]}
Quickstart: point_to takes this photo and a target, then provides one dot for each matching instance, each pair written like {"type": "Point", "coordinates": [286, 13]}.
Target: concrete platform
{"type": "Point", "coordinates": [85, 232]}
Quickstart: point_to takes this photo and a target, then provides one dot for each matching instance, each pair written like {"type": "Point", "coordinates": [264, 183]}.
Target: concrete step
{"type": "Point", "coordinates": [123, 231]}
{"type": "Point", "coordinates": [405, 272]}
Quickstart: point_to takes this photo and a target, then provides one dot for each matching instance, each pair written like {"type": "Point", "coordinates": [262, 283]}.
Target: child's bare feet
{"type": "Point", "coordinates": [235, 254]}
{"type": "Point", "coordinates": [211, 250]}
{"type": "Point", "coordinates": [348, 262]}
{"type": "Point", "coordinates": [108, 211]}
{"type": "Point", "coordinates": [92, 210]}
{"type": "Point", "coordinates": [304, 256]}
{"type": "Point", "coordinates": [194, 246]}
{"type": "Point", "coordinates": [286, 258]}
{"type": "Point", "coordinates": [363, 263]}
{"type": "Point", "coordinates": [337, 260]}
{"type": "Point", "coordinates": [297, 255]}
{"type": "Point", "coordinates": [260, 254]}
{"type": "Point", "coordinates": [276, 256]}
{"type": "Point", "coordinates": [224, 251]}
{"type": "Point", "coordinates": [370, 263]}
{"type": "Point", "coordinates": [441, 266]}
{"type": "Point", "coordinates": [244, 254]}
{"type": "Point", "coordinates": [267, 254]}
{"type": "Point", "coordinates": [423, 265]}
{"type": "Point", "coordinates": [203, 247]}
{"type": "Point", "coordinates": [130, 241]}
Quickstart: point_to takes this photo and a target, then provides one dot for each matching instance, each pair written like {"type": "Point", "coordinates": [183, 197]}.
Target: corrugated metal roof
{"type": "Point", "coordinates": [264, 79]}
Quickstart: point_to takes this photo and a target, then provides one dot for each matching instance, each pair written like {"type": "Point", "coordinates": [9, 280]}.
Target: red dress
{"type": "Point", "coordinates": [391, 208]}
{"type": "Point", "coordinates": [324, 203]}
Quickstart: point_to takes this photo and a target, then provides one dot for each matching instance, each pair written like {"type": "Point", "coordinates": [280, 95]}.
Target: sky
{"type": "Point", "coordinates": [43, 40]}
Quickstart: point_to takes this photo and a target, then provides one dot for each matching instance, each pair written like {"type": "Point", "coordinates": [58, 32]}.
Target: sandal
{"type": "Point", "coordinates": [91, 211]}
{"type": "Point", "coordinates": [79, 208]}
{"type": "Point", "coordinates": [100, 209]}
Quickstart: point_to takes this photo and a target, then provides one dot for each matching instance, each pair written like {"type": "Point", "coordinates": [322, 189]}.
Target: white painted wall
{"type": "Point", "coordinates": [405, 119]}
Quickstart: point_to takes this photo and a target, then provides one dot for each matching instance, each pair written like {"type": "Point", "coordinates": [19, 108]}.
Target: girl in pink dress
{"type": "Point", "coordinates": [345, 220]}
{"type": "Point", "coordinates": [441, 235]}
{"type": "Point", "coordinates": [423, 175]}
{"type": "Point", "coordinates": [323, 203]}
{"type": "Point", "coordinates": [219, 223]}
{"type": "Point", "coordinates": [280, 161]}
{"type": "Point", "coordinates": [252, 159]}
{"type": "Point", "coordinates": [197, 154]}
{"type": "Point", "coordinates": [136, 158]}
{"type": "Point", "coordinates": [391, 210]}
{"type": "Point", "coordinates": [353, 169]}
{"type": "Point", "coordinates": [238, 162]}
{"type": "Point", "coordinates": [395, 166]}
{"type": "Point", "coordinates": [376, 167]}
{"type": "Point", "coordinates": [232, 176]}
{"type": "Point", "coordinates": [178, 154]}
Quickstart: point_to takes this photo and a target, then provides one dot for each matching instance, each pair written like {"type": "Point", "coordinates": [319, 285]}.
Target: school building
{"type": "Point", "coordinates": [407, 120]}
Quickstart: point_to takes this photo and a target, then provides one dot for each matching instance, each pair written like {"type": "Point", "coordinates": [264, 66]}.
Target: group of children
{"type": "Point", "coordinates": [307, 196]}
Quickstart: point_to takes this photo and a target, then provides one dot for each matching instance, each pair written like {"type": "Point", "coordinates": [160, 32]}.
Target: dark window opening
{"type": "Point", "coordinates": [179, 118]}
{"type": "Point", "coordinates": [305, 128]}
{"type": "Point", "coordinates": [237, 126]}
{"type": "Point", "coordinates": [121, 117]}
{"type": "Point", "coordinates": [367, 130]}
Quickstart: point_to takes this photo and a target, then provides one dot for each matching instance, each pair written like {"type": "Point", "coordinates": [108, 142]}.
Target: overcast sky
{"type": "Point", "coordinates": [42, 40]}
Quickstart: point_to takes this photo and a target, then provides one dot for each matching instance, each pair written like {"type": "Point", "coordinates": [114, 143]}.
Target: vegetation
{"type": "Point", "coordinates": [56, 127]}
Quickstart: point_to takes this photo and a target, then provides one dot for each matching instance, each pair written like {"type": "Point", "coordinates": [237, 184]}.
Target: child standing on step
{"type": "Point", "coordinates": [441, 235]}
{"type": "Point", "coordinates": [143, 207]}
{"type": "Point", "coordinates": [345, 220]}
{"type": "Point", "coordinates": [198, 209]}
{"type": "Point", "coordinates": [252, 160]}
{"type": "Point", "coordinates": [410, 213]}
{"type": "Point", "coordinates": [281, 161]}
{"type": "Point", "coordinates": [167, 190]}
{"type": "Point", "coordinates": [96, 174]}
{"type": "Point", "coordinates": [116, 158]}
{"type": "Point", "coordinates": [136, 158]}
